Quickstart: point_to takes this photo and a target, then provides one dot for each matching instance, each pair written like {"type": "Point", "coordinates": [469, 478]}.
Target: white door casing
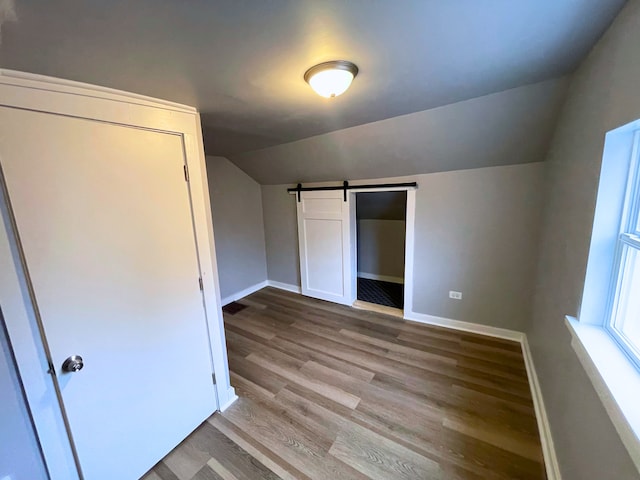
{"type": "Point", "coordinates": [410, 220]}
{"type": "Point", "coordinates": [326, 246]}
{"type": "Point", "coordinates": [174, 127]}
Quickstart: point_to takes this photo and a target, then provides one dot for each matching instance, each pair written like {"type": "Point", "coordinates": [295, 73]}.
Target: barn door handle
{"type": "Point", "coordinates": [72, 364]}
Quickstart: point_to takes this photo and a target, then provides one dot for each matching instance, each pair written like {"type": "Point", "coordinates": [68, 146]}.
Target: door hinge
{"type": "Point", "coordinates": [213, 377]}
{"type": "Point", "coordinates": [200, 283]}
{"type": "Point", "coordinates": [186, 173]}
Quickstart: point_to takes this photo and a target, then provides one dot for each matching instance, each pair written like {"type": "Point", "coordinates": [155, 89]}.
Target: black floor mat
{"type": "Point", "coordinates": [233, 308]}
{"type": "Point", "coordinates": [382, 293]}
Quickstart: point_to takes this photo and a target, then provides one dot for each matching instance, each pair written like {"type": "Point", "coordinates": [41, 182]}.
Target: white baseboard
{"type": "Point", "coordinates": [465, 326]}
{"type": "Point", "coordinates": [284, 286]}
{"type": "Point", "coordinates": [382, 278]}
{"type": "Point", "coordinates": [230, 398]}
{"type": "Point", "coordinates": [243, 293]}
{"type": "Point", "coordinates": [548, 450]}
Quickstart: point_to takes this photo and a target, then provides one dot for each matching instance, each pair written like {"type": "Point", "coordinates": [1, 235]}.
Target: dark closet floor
{"type": "Point", "coordinates": [382, 293]}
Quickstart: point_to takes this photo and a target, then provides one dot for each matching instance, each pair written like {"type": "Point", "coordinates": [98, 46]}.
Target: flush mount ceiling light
{"type": "Point", "coordinates": [330, 79]}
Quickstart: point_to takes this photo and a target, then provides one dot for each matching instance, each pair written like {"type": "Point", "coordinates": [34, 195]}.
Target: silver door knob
{"type": "Point", "coordinates": [72, 364]}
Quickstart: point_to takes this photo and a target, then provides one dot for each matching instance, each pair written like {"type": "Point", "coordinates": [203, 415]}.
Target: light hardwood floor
{"type": "Point", "coordinates": [331, 392]}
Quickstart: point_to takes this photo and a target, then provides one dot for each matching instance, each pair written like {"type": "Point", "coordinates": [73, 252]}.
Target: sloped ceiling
{"type": "Point", "coordinates": [503, 128]}
{"type": "Point", "coordinates": [242, 62]}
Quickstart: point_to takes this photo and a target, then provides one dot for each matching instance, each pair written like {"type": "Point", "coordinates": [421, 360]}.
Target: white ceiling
{"type": "Point", "coordinates": [241, 62]}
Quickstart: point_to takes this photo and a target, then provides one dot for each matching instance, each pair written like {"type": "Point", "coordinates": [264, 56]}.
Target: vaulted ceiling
{"type": "Point", "coordinates": [241, 62]}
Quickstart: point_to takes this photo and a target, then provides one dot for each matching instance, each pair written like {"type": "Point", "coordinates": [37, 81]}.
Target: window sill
{"type": "Point", "coordinates": [615, 379]}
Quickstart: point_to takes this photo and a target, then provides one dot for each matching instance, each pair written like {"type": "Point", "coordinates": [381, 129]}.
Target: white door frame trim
{"type": "Point", "coordinates": [409, 239]}
{"type": "Point", "coordinates": [409, 246]}
{"type": "Point", "coordinates": [36, 92]}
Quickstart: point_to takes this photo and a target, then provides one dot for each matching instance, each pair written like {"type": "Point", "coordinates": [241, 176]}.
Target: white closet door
{"type": "Point", "coordinates": [104, 219]}
{"type": "Point", "coordinates": [326, 246]}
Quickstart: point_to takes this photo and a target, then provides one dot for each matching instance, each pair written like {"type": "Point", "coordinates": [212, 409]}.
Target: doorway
{"type": "Point", "coordinates": [328, 244]}
{"type": "Point", "coordinates": [381, 238]}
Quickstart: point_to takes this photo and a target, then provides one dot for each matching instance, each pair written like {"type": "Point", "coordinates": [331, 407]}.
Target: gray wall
{"type": "Point", "coordinates": [604, 94]}
{"type": "Point", "coordinates": [381, 247]}
{"type": "Point", "coordinates": [281, 234]}
{"type": "Point", "coordinates": [236, 208]}
{"type": "Point", "coordinates": [20, 457]}
{"type": "Point", "coordinates": [381, 205]}
{"type": "Point", "coordinates": [476, 232]}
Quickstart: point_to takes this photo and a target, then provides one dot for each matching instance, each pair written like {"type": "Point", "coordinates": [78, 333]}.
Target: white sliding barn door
{"type": "Point", "coordinates": [103, 215]}
{"type": "Point", "coordinates": [326, 238]}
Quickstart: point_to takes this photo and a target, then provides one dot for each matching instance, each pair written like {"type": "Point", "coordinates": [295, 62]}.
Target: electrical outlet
{"type": "Point", "coordinates": [455, 295]}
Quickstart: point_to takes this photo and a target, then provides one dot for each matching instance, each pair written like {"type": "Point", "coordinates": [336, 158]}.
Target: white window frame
{"type": "Point", "coordinates": [628, 238]}
{"type": "Point", "coordinates": [610, 361]}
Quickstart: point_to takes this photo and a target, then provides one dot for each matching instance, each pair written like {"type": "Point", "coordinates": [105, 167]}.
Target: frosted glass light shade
{"type": "Point", "coordinates": [331, 79]}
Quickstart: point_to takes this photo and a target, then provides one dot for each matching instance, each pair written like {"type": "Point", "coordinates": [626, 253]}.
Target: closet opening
{"type": "Point", "coordinates": [381, 238]}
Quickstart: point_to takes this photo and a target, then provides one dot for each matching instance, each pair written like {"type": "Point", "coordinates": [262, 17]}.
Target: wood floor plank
{"type": "Point", "coordinates": [520, 397]}
{"type": "Point", "coordinates": [425, 371]}
{"type": "Point", "coordinates": [266, 457]}
{"type": "Point", "coordinates": [401, 351]}
{"type": "Point", "coordinates": [385, 413]}
{"type": "Point", "coordinates": [514, 408]}
{"type": "Point", "coordinates": [502, 344]}
{"type": "Point", "coordinates": [293, 375]}
{"type": "Point", "coordinates": [186, 459]}
{"type": "Point", "coordinates": [335, 336]}
{"type": "Point", "coordinates": [332, 423]}
{"type": "Point", "coordinates": [331, 392]}
{"type": "Point", "coordinates": [315, 416]}
{"type": "Point", "coordinates": [510, 372]}
{"type": "Point", "coordinates": [372, 394]}
{"type": "Point", "coordinates": [319, 357]}
{"type": "Point", "coordinates": [242, 341]}
{"type": "Point", "coordinates": [515, 442]}
{"type": "Point", "coordinates": [151, 475]}
{"type": "Point", "coordinates": [207, 473]}
{"type": "Point", "coordinates": [487, 460]}
{"type": "Point", "coordinates": [164, 472]}
{"type": "Point", "coordinates": [329, 313]}
{"type": "Point", "coordinates": [243, 385]}
{"type": "Point", "coordinates": [252, 303]}
{"type": "Point", "coordinates": [457, 347]}
{"type": "Point", "coordinates": [293, 442]}
{"type": "Point", "coordinates": [320, 400]}
{"type": "Point", "coordinates": [362, 358]}
{"type": "Point", "coordinates": [252, 325]}
{"type": "Point", "coordinates": [473, 345]}
{"type": "Point", "coordinates": [231, 460]}
{"type": "Point", "coordinates": [333, 377]}
{"type": "Point", "coordinates": [274, 356]}
{"type": "Point", "coordinates": [380, 458]}
{"type": "Point", "coordinates": [265, 379]}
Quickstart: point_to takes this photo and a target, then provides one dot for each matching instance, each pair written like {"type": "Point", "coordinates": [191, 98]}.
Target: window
{"type": "Point", "coordinates": [606, 334]}
{"type": "Point", "coordinates": [623, 321]}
